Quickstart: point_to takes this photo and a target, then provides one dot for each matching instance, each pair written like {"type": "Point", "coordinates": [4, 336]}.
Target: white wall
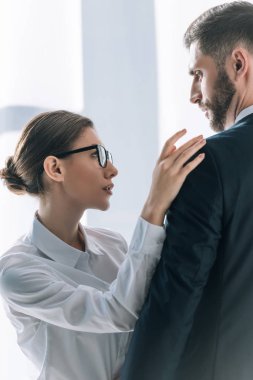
{"type": "Point", "coordinates": [41, 53]}
{"type": "Point", "coordinates": [120, 86]}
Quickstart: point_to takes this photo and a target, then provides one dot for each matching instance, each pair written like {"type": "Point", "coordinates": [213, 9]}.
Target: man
{"type": "Point", "coordinates": [197, 322]}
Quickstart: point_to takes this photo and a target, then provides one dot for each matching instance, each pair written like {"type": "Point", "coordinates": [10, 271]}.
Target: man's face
{"type": "Point", "coordinates": [211, 88]}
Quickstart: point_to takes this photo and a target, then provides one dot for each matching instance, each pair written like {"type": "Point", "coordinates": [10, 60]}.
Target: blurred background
{"type": "Point", "coordinates": [120, 62]}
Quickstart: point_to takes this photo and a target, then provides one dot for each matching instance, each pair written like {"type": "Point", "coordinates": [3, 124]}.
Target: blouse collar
{"type": "Point", "coordinates": [57, 249]}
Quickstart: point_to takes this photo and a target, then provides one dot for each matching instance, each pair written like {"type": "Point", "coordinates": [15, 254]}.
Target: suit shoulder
{"type": "Point", "coordinates": [231, 147]}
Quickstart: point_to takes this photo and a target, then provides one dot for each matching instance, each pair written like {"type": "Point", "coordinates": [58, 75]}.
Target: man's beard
{"type": "Point", "coordinates": [224, 91]}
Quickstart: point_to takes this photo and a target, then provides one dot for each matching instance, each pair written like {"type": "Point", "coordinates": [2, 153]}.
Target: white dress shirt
{"type": "Point", "coordinates": [73, 310]}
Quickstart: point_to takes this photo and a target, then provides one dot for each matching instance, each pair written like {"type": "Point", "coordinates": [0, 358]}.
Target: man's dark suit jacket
{"type": "Point", "coordinates": [197, 321]}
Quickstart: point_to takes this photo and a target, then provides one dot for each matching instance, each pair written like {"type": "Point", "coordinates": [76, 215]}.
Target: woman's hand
{"type": "Point", "coordinates": [169, 175]}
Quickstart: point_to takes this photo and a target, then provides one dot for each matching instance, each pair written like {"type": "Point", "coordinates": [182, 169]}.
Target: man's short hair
{"type": "Point", "coordinates": [221, 28]}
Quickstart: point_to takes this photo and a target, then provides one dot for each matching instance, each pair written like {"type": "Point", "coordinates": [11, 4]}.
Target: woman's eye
{"type": "Point", "coordinates": [95, 155]}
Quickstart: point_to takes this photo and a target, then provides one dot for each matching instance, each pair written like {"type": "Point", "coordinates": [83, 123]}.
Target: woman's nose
{"type": "Point", "coordinates": [110, 170]}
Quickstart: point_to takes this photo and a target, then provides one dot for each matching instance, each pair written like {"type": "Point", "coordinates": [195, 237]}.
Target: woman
{"type": "Point", "coordinates": [73, 293]}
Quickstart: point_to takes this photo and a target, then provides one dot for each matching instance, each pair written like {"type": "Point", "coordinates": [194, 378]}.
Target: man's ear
{"type": "Point", "coordinates": [53, 168]}
{"type": "Point", "coordinates": [240, 62]}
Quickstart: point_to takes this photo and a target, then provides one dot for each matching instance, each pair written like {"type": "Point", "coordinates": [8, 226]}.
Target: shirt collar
{"type": "Point", "coordinates": [55, 248]}
{"type": "Point", "coordinates": [247, 111]}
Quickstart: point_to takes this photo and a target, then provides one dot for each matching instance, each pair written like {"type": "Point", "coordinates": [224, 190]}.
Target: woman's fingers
{"type": "Point", "coordinates": [169, 148]}
{"type": "Point", "coordinates": [169, 175]}
{"type": "Point", "coordinates": [187, 145]}
{"type": "Point", "coordinates": [192, 164]}
{"type": "Point", "coordinates": [169, 145]}
{"type": "Point", "coordinates": [187, 153]}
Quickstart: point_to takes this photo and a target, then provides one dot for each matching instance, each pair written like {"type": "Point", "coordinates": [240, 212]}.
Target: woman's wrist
{"type": "Point", "coordinates": [153, 215]}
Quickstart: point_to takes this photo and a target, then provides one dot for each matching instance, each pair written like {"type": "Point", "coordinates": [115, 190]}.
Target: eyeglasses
{"type": "Point", "coordinates": [102, 154]}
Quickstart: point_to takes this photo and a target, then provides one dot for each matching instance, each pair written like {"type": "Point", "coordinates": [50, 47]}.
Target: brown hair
{"type": "Point", "coordinates": [220, 28]}
{"type": "Point", "coordinates": [45, 134]}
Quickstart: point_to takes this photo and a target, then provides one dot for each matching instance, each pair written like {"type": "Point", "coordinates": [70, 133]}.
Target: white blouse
{"type": "Point", "coordinates": [72, 310]}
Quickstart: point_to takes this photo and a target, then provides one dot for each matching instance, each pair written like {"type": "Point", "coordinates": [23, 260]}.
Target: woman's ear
{"type": "Point", "coordinates": [53, 168]}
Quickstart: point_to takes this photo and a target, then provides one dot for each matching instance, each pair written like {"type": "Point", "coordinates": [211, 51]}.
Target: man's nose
{"type": "Point", "coordinates": [195, 95]}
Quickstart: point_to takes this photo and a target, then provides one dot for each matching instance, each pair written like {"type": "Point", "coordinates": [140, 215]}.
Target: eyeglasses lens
{"type": "Point", "coordinates": [104, 155]}
{"type": "Point", "coordinates": [109, 157]}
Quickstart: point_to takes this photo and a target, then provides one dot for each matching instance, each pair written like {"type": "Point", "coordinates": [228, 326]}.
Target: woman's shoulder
{"type": "Point", "coordinates": [106, 237]}
{"type": "Point", "coordinates": [20, 251]}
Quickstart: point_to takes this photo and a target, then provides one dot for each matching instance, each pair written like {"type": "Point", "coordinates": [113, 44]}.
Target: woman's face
{"type": "Point", "coordinates": [85, 182]}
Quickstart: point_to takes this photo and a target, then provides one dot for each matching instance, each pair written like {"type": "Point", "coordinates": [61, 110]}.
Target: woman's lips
{"type": "Point", "coordinates": [108, 189]}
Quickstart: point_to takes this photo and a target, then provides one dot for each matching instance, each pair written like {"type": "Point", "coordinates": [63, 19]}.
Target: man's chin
{"type": "Point", "coordinates": [216, 127]}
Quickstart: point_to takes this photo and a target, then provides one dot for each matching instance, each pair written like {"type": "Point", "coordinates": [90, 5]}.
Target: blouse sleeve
{"type": "Point", "coordinates": [32, 287]}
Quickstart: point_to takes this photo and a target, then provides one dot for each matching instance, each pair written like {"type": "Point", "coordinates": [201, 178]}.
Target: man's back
{"type": "Point", "coordinates": [197, 320]}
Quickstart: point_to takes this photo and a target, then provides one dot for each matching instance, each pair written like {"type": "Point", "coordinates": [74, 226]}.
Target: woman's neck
{"type": "Point", "coordinates": [62, 220]}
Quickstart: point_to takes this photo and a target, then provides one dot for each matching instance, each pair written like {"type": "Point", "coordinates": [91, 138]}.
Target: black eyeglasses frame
{"type": "Point", "coordinates": [98, 147]}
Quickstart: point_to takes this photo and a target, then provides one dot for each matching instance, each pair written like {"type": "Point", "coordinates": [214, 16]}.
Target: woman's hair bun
{"type": "Point", "coordinates": [11, 179]}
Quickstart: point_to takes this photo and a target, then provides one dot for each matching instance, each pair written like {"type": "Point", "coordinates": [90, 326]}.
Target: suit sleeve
{"type": "Point", "coordinates": [193, 230]}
